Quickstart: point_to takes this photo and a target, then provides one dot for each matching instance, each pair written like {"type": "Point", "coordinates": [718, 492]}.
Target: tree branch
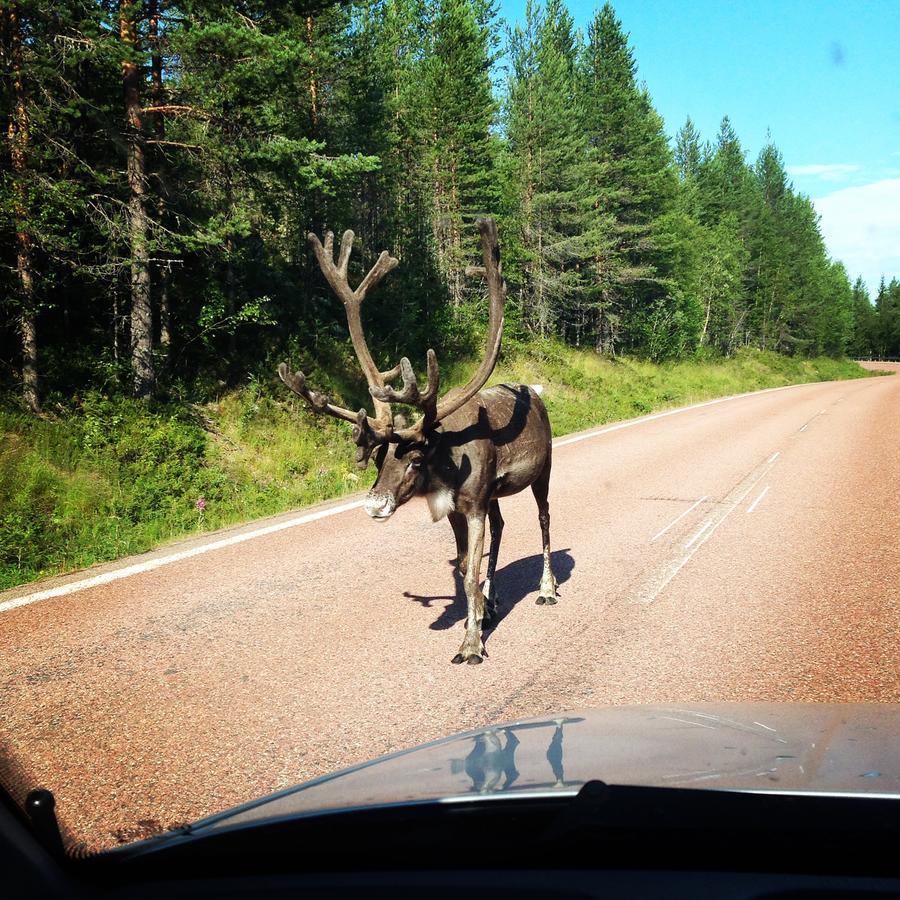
{"type": "Point", "coordinates": [163, 143]}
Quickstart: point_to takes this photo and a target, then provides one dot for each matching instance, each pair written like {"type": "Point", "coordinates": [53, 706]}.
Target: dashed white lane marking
{"type": "Point", "coordinates": [755, 503]}
{"type": "Point", "coordinates": [139, 568]}
{"type": "Point", "coordinates": [152, 564]}
{"type": "Point", "coordinates": [806, 424]}
{"type": "Point", "coordinates": [675, 521]}
{"type": "Point", "coordinates": [658, 583]}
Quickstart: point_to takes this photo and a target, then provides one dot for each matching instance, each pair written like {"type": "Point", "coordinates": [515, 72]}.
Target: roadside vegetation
{"type": "Point", "coordinates": [105, 476]}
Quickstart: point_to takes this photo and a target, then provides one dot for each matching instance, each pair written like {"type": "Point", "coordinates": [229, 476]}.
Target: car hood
{"type": "Point", "coordinates": [821, 748]}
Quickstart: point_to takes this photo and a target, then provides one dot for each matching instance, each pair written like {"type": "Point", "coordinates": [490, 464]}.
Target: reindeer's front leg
{"type": "Point", "coordinates": [472, 649]}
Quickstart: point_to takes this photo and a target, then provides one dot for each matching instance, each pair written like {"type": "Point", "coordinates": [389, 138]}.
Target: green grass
{"type": "Point", "coordinates": [112, 476]}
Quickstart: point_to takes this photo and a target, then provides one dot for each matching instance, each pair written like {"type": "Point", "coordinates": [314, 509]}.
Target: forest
{"type": "Point", "coordinates": [162, 162]}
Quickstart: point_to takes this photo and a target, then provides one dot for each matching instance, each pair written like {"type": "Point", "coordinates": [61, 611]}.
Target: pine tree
{"type": "Point", "coordinates": [254, 134]}
{"type": "Point", "coordinates": [768, 280]}
{"type": "Point", "coordinates": [382, 117]}
{"type": "Point", "coordinates": [458, 111]}
{"type": "Point", "coordinates": [861, 342]}
{"type": "Point", "coordinates": [133, 83]}
{"type": "Point", "coordinates": [636, 187]}
{"type": "Point", "coordinates": [54, 190]}
{"type": "Point", "coordinates": [887, 320]}
{"type": "Point", "coordinates": [724, 206]}
{"type": "Point", "coordinates": [688, 151]}
{"type": "Point", "coordinates": [18, 132]}
{"type": "Point", "coordinates": [552, 176]}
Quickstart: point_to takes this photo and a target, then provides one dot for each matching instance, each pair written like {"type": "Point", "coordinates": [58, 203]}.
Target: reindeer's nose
{"type": "Point", "coordinates": [380, 506]}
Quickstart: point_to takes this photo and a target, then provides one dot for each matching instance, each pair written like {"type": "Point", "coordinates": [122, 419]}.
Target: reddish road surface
{"type": "Point", "coordinates": [747, 549]}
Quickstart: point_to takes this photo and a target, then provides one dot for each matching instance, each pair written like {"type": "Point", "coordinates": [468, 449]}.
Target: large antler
{"type": "Point", "coordinates": [410, 393]}
{"type": "Point", "coordinates": [368, 432]}
{"type": "Point", "coordinates": [433, 410]}
{"type": "Point", "coordinates": [336, 275]}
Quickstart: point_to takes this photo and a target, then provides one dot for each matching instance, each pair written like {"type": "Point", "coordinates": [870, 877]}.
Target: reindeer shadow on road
{"type": "Point", "coordinates": [513, 583]}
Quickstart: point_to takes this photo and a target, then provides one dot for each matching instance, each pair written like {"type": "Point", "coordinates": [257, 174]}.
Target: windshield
{"type": "Point", "coordinates": [597, 304]}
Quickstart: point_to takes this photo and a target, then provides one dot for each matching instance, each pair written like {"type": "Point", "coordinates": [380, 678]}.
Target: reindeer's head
{"type": "Point", "coordinates": [404, 456]}
{"type": "Point", "coordinates": [402, 474]}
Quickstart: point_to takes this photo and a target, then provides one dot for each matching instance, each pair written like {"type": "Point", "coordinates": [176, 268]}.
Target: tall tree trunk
{"type": "Point", "coordinates": [230, 300]}
{"type": "Point", "coordinates": [138, 224]}
{"type": "Point", "coordinates": [313, 82]}
{"type": "Point", "coordinates": [159, 128]}
{"type": "Point", "coordinates": [18, 134]}
{"type": "Point", "coordinates": [705, 321]}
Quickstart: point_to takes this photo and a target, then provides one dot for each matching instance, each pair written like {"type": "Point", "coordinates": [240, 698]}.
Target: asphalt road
{"type": "Point", "coordinates": [746, 549]}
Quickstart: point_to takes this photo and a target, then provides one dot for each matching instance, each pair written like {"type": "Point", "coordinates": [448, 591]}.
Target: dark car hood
{"type": "Point", "coordinates": [740, 746]}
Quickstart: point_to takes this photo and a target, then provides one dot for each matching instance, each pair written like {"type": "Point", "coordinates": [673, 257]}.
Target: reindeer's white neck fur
{"type": "Point", "coordinates": [440, 502]}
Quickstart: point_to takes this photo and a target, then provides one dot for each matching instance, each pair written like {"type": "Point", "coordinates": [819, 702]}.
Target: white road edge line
{"type": "Point", "coordinates": [755, 503]}
{"type": "Point", "coordinates": [150, 565]}
{"type": "Point", "coordinates": [675, 521]}
{"type": "Point", "coordinates": [774, 456]}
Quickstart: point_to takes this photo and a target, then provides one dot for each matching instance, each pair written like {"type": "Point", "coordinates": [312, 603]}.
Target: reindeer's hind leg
{"type": "Point", "coordinates": [490, 592]}
{"type": "Point", "coordinates": [540, 489]}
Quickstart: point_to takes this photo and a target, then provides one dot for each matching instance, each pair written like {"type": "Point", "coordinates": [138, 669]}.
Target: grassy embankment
{"type": "Point", "coordinates": [111, 477]}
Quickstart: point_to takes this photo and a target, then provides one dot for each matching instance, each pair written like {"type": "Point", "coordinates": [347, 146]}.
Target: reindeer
{"type": "Point", "coordinates": [466, 450]}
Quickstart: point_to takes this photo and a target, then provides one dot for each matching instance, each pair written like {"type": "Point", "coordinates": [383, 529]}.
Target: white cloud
{"type": "Point", "coordinates": [861, 227]}
{"type": "Point", "coordinates": [825, 171]}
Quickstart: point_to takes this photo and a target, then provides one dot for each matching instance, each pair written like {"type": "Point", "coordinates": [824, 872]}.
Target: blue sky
{"type": "Point", "coordinates": [822, 76]}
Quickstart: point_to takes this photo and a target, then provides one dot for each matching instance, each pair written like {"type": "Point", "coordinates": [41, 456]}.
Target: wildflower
{"type": "Point", "coordinates": [200, 504]}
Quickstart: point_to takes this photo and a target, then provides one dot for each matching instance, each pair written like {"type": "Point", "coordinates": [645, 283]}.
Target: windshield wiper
{"type": "Point", "coordinates": [40, 807]}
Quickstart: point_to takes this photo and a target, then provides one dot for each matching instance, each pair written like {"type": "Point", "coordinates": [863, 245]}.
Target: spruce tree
{"type": "Point", "coordinates": [552, 175]}
{"type": "Point", "coordinates": [636, 187]}
{"type": "Point", "coordinates": [14, 37]}
{"type": "Point", "coordinates": [863, 321]}
{"type": "Point", "coordinates": [886, 343]}
{"type": "Point", "coordinates": [688, 151]}
{"type": "Point", "coordinates": [457, 113]}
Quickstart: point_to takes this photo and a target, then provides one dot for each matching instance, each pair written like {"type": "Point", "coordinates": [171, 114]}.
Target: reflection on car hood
{"type": "Point", "coordinates": [739, 746]}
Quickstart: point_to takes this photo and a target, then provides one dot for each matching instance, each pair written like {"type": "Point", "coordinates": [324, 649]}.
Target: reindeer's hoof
{"type": "Point", "coordinates": [473, 659]}
{"type": "Point", "coordinates": [546, 601]}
